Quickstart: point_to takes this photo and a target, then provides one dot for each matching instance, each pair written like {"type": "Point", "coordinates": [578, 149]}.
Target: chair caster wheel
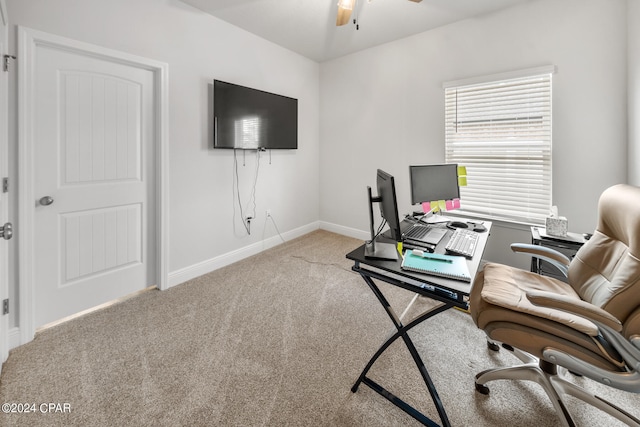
{"type": "Point", "coordinates": [493, 346]}
{"type": "Point", "coordinates": [482, 389]}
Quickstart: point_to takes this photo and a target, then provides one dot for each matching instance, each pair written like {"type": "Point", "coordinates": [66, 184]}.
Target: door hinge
{"type": "Point", "coordinates": [5, 185]}
{"type": "Point", "coordinates": [7, 60]}
{"type": "Point", "coordinates": [6, 231]}
{"type": "Point", "coordinates": [5, 306]}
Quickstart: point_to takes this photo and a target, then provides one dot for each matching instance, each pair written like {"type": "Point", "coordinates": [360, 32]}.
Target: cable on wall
{"type": "Point", "coordinates": [245, 218]}
{"type": "Point", "coordinates": [269, 216]}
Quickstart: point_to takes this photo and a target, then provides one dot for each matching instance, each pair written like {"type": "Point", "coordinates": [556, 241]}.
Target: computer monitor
{"type": "Point", "coordinates": [388, 201]}
{"type": "Point", "coordinates": [434, 182]}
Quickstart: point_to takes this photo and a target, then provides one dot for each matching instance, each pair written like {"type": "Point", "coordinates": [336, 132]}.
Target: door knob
{"type": "Point", "coordinates": [46, 200]}
{"type": "Point", "coordinates": [6, 231]}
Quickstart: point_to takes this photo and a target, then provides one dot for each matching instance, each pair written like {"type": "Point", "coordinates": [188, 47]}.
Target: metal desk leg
{"type": "Point", "coordinates": [402, 331]}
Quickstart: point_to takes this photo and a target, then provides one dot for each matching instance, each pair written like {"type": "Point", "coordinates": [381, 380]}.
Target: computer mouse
{"type": "Point", "coordinates": [457, 224]}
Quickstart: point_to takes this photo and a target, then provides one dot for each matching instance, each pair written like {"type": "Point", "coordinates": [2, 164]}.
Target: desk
{"type": "Point", "coordinates": [451, 293]}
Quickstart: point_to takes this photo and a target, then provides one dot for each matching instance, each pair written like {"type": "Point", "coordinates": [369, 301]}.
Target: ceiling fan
{"type": "Point", "coordinates": [344, 10]}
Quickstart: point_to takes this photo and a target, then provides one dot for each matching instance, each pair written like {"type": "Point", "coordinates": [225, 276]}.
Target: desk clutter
{"type": "Point", "coordinates": [461, 240]}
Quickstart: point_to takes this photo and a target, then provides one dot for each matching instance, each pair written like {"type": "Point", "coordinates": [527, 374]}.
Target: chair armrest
{"type": "Point", "coordinates": [553, 257]}
{"type": "Point", "coordinates": [573, 306]}
{"type": "Point", "coordinates": [609, 327]}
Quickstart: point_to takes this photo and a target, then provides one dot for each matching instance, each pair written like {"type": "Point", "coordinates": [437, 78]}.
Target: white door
{"type": "Point", "coordinates": [4, 264]}
{"type": "Point", "coordinates": [93, 181]}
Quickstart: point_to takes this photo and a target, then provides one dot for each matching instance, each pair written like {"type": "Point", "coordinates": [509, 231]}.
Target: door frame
{"type": "Point", "coordinates": [4, 172]}
{"type": "Point", "coordinates": [28, 40]}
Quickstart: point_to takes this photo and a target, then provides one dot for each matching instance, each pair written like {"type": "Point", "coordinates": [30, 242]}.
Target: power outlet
{"type": "Point", "coordinates": [268, 213]}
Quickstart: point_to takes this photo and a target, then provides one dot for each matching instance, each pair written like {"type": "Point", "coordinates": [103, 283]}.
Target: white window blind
{"type": "Point", "coordinates": [501, 131]}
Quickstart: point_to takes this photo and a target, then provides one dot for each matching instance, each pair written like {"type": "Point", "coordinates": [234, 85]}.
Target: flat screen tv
{"type": "Point", "coordinates": [252, 119]}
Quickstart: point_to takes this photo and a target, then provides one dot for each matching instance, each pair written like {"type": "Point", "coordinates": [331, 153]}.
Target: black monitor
{"type": "Point", "coordinates": [434, 182]}
{"type": "Point", "coordinates": [388, 201]}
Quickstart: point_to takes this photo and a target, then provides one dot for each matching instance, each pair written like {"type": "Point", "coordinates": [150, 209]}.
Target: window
{"type": "Point", "coordinates": [500, 129]}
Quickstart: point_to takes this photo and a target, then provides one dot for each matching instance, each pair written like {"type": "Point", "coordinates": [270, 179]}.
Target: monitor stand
{"type": "Point", "coordinates": [373, 249]}
{"type": "Point", "coordinates": [381, 250]}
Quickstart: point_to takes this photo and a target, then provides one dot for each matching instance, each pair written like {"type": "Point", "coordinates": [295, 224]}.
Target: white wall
{"type": "Point", "coordinates": [633, 27]}
{"type": "Point", "coordinates": [384, 107]}
{"type": "Point", "coordinates": [199, 48]}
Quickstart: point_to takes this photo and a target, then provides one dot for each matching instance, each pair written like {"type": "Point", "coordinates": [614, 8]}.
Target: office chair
{"type": "Point", "coordinates": [590, 325]}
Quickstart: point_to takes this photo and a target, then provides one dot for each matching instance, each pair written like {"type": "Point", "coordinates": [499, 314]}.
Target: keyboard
{"type": "Point", "coordinates": [462, 242]}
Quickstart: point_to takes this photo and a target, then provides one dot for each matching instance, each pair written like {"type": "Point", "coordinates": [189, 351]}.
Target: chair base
{"type": "Point", "coordinates": [546, 375]}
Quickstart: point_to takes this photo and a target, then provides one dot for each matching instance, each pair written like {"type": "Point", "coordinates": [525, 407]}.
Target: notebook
{"type": "Point", "coordinates": [451, 267]}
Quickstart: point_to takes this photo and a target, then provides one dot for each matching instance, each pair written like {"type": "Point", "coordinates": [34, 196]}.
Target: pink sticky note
{"type": "Point", "coordinates": [449, 204]}
{"type": "Point", "coordinates": [426, 207]}
{"type": "Point", "coordinates": [456, 203]}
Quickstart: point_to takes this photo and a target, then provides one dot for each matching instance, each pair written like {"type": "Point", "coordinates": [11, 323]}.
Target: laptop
{"type": "Point", "coordinates": [420, 235]}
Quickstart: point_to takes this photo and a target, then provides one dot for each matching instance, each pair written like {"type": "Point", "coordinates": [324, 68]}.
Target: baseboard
{"type": "Point", "coordinates": [14, 337]}
{"type": "Point", "coordinates": [345, 231]}
{"type": "Point", "coordinates": [185, 274]}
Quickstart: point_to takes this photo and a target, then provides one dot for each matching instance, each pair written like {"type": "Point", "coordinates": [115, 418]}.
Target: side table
{"type": "Point", "coordinates": [568, 245]}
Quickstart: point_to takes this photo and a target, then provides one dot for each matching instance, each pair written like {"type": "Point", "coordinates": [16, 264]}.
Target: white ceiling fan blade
{"type": "Point", "coordinates": [344, 11]}
{"type": "Point", "coordinates": [345, 7]}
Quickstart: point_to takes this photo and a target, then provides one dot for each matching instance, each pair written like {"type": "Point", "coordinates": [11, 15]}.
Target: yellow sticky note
{"type": "Point", "coordinates": [434, 206]}
{"type": "Point", "coordinates": [399, 246]}
{"type": "Point", "coordinates": [462, 181]}
{"type": "Point", "coordinates": [442, 205]}
{"type": "Point", "coordinates": [462, 170]}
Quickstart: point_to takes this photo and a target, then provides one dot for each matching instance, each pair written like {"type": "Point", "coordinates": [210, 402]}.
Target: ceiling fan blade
{"type": "Point", "coordinates": [343, 16]}
{"type": "Point", "coordinates": [344, 11]}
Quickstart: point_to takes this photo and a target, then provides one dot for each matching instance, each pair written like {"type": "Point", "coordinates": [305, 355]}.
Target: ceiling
{"type": "Point", "coordinates": [308, 27]}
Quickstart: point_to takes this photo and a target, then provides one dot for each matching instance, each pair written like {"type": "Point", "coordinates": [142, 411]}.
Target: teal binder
{"type": "Point", "coordinates": [449, 266]}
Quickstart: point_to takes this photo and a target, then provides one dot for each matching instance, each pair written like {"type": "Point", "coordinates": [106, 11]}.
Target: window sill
{"type": "Point", "coordinates": [502, 222]}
